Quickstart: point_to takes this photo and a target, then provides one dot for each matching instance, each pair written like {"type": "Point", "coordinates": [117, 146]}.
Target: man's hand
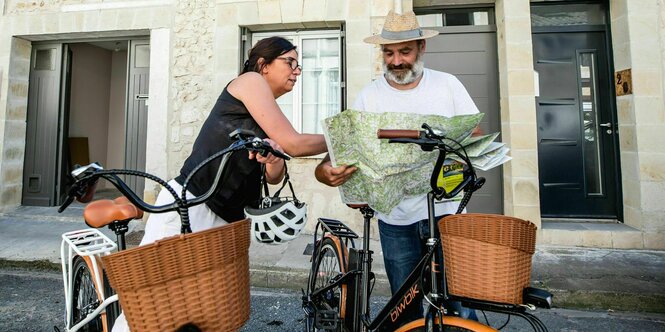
{"type": "Point", "coordinates": [333, 176]}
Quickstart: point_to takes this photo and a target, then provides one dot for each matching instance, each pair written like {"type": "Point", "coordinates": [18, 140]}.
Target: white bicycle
{"type": "Point", "coordinates": [91, 303]}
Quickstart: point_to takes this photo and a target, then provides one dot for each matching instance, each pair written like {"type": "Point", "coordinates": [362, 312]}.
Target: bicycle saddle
{"type": "Point", "coordinates": [105, 211]}
{"type": "Point", "coordinates": [356, 206]}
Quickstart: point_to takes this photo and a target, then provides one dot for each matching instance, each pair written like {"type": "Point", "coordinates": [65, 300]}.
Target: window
{"type": "Point", "coordinates": [567, 15]}
{"type": "Point", "coordinates": [456, 17]}
{"type": "Point", "coordinates": [318, 93]}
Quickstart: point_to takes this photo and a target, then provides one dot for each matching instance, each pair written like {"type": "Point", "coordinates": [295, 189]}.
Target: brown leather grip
{"type": "Point", "coordinates": [397, 133]}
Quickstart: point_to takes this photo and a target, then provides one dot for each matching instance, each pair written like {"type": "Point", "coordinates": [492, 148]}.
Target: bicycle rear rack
{"type": "Point", "coordinates": [85, 243]}
{"type": "Point", "coordinates": [338, 228]}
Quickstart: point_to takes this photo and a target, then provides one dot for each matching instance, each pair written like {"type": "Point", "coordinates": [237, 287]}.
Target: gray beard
{"type": "Point", "coordinates": [405, 77]}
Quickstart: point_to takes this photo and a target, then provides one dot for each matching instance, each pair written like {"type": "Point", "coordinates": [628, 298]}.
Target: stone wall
{"type": "Point", "coordinates": [192, 91]}
{"type": "Point", "coordinates": [636, 28]}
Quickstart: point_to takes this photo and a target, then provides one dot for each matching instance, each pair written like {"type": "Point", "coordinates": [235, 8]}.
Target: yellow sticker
{"type": "Point", "coordinates": [450, 176]}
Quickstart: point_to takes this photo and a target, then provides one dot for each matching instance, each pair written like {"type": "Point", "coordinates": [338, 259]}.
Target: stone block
{"type": "Point", "coordinates": [526, 139]}
{"type": "Point", "coordinates": [565, 237]}
{"type": "Point", "coordinates": [627, 139]}
{"type": "Point", "coordinates": [18, 89]}
{"type": "Point", "coordinates": [625, 111]}
{"type": "Point", "coordinates": [654, 221]}
{"type": "Point", "coordinates": [654, 241]}
{"type": "Point", "coordinates": [647, 82]}
{"type": "Point", "coordinates": [652, 169]}
{"type": "Point", "coordinates": [526, 191]}
{"type": "Point", "coordinates": [521, 83]}
{"type": "Point", "coordinates": [644, 27]}
{"type": "Point", "coordinates": [521, 109]}
{"type": "Point", "coordinates": [248, 13]}
{"type": "Point", "coordinates": [596, 239]}
{"type": "Point", "coordinates": [17, 112]}
{"type": "Point", "coordinates": [21, 49]}
{"type": "Point", "coordinates": [631, 195]}
{"type": "Point", "coordinates": [381, 8]}
{"type": "Point", "coordinates": [314, 10]}
{"type": "Point", "coordinates": [359, 10]}
{"type": "Point", "coordinates": [519, 56]}
{"type": "Point", "coordinates": [620, 31]}
{"type": "Point", "coordinates": [544, 236]}
{"type": "Point", "coordinates": [292, 10]}
{"type": "Point", "coordinates": [627, 240]}
{"type": "Point", "coordinates": [648, 110]}
{"type": "Point", "coordinates": [622, 54]}
{"type": "Point", "coordinates": [269, 12]}
{"type": "Point", "coordinates": [517, 30]}
{"type": "Point", "coordinates": [12, 174]}
{"type": "Point", "coordinates": [618, 9]}
{"type": "Point", "coordinates": [527, 212]}
{"type": "Point", "coordinates": [336, 10]}
{"type": "Point", "coordinates": [10, 195]}
{"type": "Point", "coordinates": [525, 163]}
{"type": "Point", "coordinates": [633, 217]}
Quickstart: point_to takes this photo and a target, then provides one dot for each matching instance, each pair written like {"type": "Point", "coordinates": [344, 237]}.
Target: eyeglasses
{"type": "Point", "coordinates": [293, 63]}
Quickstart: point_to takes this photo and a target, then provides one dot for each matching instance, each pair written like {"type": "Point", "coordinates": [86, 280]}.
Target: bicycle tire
{"type": "Point", "coordinates": [452, 324]}
{"type": "Point", "coordinates": [84, 296]}
{"type": "Point", "coordinates": [329, 264]}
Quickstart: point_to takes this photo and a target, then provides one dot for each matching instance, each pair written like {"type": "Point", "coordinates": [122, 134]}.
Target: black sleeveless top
{"type": "Point", "coordinates": [241, 182]}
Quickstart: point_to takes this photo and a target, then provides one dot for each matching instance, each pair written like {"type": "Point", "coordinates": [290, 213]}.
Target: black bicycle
{"type": "Point", "coordinates": [341, 280]}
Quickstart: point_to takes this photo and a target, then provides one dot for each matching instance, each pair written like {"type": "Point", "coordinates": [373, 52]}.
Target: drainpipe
{"type": "Point", "coordinates": [398, 7]}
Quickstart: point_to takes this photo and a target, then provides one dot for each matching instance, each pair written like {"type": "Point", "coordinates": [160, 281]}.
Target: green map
{"type": "Point", "coordinates": [387, 173]}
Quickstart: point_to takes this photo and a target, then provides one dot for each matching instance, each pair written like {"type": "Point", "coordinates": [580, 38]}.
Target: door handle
{"type": "Point", "coordinates": [606, 125]}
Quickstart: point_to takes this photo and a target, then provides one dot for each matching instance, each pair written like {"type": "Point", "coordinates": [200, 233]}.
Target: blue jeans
{"type": "Point", "coordinates": [403, 247]}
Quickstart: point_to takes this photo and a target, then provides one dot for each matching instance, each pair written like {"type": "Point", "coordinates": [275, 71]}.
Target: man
{"type": "Point", "coordinates": [406, 86]}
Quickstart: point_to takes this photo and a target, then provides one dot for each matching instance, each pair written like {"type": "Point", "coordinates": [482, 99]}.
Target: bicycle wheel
{"type": "Point", "coordinates": [84, 297]}
{"type": "Point", "coordinates": [328, 266]}
{"type": "Point", "coordinates": [452, 324]}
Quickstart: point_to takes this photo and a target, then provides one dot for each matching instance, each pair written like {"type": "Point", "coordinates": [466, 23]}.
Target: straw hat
{"type": "Point", "coordinates": [400, 28]}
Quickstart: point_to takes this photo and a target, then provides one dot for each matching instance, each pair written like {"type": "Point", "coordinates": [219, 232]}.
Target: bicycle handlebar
{"type": "Point", "coordinates": [398, 133]}
{"type": "Point", "coordinates": [428, 140]}
{"type": "Point", "coordinates": [87, 176]}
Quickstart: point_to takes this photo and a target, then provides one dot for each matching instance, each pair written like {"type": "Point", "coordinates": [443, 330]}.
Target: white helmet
{"type": "Point", "coordinates": [277, 219]}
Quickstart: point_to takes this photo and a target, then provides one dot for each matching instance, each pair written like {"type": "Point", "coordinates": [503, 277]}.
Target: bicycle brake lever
{"type": "Point", "coordinates": [69, 200]}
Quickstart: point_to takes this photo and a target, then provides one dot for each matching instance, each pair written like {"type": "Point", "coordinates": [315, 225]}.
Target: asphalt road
{"type": "Point", "coordinates": [32, 300]}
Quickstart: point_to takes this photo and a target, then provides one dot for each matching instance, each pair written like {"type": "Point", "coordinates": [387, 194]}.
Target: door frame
{"type": "Point", "coordinates": [479, 203]}
{"type": "Point", "coordinates": [605, 28]}
{"type": "Point", "coordinates": [60, 167]}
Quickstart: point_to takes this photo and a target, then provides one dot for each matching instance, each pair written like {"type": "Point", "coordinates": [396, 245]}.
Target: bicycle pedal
{"type": "Point", "coordinates": [326, 320]}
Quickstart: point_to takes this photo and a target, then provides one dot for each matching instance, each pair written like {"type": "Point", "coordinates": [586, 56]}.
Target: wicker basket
{"type": "Point", "coordinates": [200, 278]}
{"type": "Point", "coordinates": [487, 257]}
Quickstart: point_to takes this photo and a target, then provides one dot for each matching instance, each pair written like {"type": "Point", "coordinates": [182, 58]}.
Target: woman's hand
{"type": "Point", "coordinates": [274, 165]}
{"type": "Point", "coordinates": [269, 158]}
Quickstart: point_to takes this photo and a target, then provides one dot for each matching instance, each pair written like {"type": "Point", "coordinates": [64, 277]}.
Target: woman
{"type": "Point", "coordinates": [247, 102]}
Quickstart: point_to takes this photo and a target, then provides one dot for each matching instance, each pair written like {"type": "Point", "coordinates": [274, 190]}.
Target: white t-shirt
{"type": "Point", "coordinates": [437, 93]}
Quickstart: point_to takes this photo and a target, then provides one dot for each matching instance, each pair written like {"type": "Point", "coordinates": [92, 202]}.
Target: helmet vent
{"type": "Point", "coordinates": [288, 214]}
{"type": "Point", "coordinates": [277, 221]}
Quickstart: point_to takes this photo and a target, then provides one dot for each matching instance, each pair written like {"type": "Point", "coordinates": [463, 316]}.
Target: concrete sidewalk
{"type": "Point", "coordinates": [606, 279]}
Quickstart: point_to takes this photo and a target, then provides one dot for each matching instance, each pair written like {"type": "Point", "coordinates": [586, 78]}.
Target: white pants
{"type": "Point", "coordinates": [161, 225]}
